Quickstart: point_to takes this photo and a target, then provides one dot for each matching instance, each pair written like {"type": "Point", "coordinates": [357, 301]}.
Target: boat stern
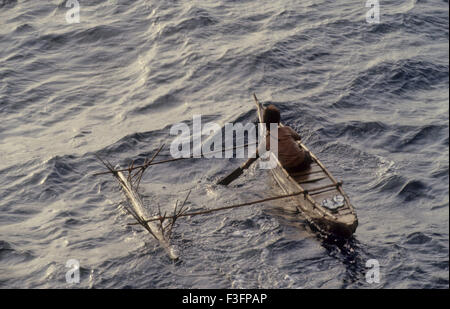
{"type": "Point", "coordinates": [345, 226]}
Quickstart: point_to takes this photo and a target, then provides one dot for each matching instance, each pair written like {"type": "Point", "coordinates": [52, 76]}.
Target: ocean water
{"type": "Point", "coordinates": [371, 100]}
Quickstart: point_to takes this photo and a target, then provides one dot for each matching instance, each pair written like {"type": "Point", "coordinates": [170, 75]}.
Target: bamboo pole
{"type": "Point", "coordinates": [170, 160]}
{"type": "Point", "coordinates": [208, 211]}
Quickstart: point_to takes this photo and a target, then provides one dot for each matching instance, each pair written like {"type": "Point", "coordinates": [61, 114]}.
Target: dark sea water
{"type": "Point", "coordinates": [371, 100]}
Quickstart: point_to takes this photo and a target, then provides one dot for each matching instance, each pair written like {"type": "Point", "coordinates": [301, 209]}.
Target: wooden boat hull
{"type": "Point", "coordinates": [343, 226]}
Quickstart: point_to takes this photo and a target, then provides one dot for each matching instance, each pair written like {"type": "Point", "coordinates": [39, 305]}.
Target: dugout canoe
{"type": "Point", "coordinates": [324, 204]}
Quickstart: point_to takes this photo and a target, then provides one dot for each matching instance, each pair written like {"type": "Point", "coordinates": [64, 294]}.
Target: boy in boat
{"type": "Point", "coordinates": [291, 156]}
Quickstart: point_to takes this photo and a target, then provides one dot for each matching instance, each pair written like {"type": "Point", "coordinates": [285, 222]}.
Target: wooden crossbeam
{"type": "Point", "coordinates": [311, 180]}
{"type": "Point", "coordinates": [333, 185]}
{"type": "Point", "coordinates": [298, 174]}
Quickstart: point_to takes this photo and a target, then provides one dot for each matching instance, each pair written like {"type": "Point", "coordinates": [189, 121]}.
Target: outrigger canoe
{"type": "Point", "coordinates": [324, 203]}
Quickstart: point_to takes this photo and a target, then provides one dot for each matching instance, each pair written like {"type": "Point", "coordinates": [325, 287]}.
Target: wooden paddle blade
{"type": "Point", "coordinates": [230, 178]}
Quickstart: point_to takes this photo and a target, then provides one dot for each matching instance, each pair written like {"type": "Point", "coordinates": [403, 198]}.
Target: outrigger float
{"type": "Point", "coordinates": [160, 229]}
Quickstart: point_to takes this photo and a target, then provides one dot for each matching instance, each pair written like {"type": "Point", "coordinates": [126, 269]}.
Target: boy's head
{"type": "Point", "coordinates": [271, 115]}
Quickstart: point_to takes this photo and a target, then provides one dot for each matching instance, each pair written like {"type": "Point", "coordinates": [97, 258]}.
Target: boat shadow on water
{"type": "Point", "coordinates": [348, 251]}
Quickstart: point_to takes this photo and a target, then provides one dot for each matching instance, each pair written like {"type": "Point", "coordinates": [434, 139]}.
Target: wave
{"type": "Point", "coordinates": [407, 138]}
{"type": "Point", "coordinates": [192, 20]}
{"type": "Point", "coordinates": [7, 4]}
{"type": "Point", "coordinates": [163, 102]}
{"type": "Point", "coordinates": [413, 190]}
{"type": "Point", "coordinates": [399, 77]}
{"type": "Point", "coordinates": [433, 25]}
{"type": "Point", "coordinates": [390, 183]}
{"type": "Point", "coordinates": [10, 255]}
{"type": "Point", "coordinates": [417, 238]}
{"type": "Point", "coordinates": [355, 129]}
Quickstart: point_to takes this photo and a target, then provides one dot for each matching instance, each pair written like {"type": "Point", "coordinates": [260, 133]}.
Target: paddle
{"type": "Point", "coordinates": [237, 172]}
